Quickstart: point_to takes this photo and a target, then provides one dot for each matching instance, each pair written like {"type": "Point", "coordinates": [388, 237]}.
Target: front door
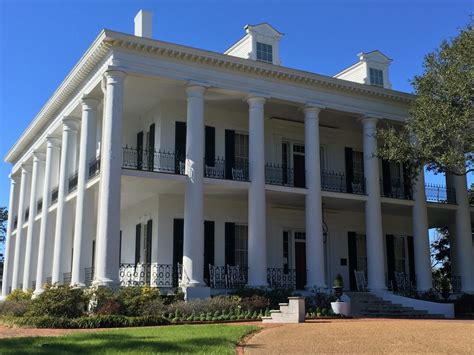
{"type": "Point", "coordinates": [300, 264]}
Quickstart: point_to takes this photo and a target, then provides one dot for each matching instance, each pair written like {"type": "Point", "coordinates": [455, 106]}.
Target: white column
{"type": "Point", "coordinates": [84, 229]}
{"type": "Point", "coordinates": [8, 261]}
{"type": "Point", "coordinates": [38, 159]}
{"type": "Point", "coordinates": [107, 264]}
{"type": "Point", "coordinates": [313, 209]}
{"type": "Point", "coordinates": [193, 243]}
{"type": "Point", "coordinates": [373, 210]}
{"type": "Point", "coordinates": [257, 242]}
{"type": "Point", "coordinates": [463, 235]}
{"type": "Point", "coordinates": [44, 250]}
{"type": "Point", "coordinates": [25, 171]}
{"type": "Point", "coordinates": [68, 153]}
{"type": "Point", "coordinates": [421, 241]}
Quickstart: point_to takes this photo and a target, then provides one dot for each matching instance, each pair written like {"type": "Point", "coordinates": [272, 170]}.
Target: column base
{"type": "Point", "coordinates": [196, 292]}
{"type": "Point", "coordinates": [37, 292]}
{"type": "Point", "coordinates": [2, 298]}
{"type": "Point", "coordinates": [78, 285]}
{"type": "Point", "coordinates": [105, 283]}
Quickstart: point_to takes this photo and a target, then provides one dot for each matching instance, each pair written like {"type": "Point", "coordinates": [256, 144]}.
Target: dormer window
{"type": "Point", "coordinates": [264, 52]}
{"type": "Point", "coordinates": [376, 77]}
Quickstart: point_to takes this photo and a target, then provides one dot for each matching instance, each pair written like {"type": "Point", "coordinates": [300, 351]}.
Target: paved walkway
{"type": "Point", "coordinates": [7, 332]}
{"type": "Point", "coordinates": [365, 336]}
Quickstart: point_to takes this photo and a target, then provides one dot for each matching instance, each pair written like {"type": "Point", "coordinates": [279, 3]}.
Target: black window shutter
{"type": "Point", "coordinates": [391, 261]}
{"type": "Point", "coordinates": [349, 169]}
{"type": "Point", "coordinates": [151, 148]}
{"type": "Point", "coordinates": [411, 259]}
{"type": "Point", "coordinates": [352, 256]}
{"type": "Point", "coordinates": [138, 233]}
{"type": "Point", "coordinates": [407, 182]}
{"type": "Point", "coordinates": [179, 144]}
{"type": "Point", "coordinates": [229, 152]}
{"type": "Point", "coordinates": [208, 247]}
{"type": "Point", "coordinates": [149, 234]}
{"type": "Point", "coordinates": [93, 253]}
{"type": "Point", "coordinates": [120, 249]}
{"type": "Point", "coordinates": [230, 244]}
{"type": "Point", "coordinates": [210, 146]}
{"type": "Point", "coordinates": [139, 150]}
{"type": "Point", "coordinates": [386, 178]}
{"type": "Point", "coordinates": [178, 236]}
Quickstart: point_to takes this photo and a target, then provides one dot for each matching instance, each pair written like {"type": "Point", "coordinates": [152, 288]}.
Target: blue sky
{"type": "Point", "coordinates": [40, 41]}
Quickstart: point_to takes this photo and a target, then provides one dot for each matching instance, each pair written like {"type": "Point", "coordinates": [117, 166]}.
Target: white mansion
{"type": "Point", "coordinates": [156, 163]}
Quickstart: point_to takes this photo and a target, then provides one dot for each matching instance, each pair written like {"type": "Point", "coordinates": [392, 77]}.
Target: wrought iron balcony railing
{"type": "Point", "coordinates": [54, 195]}
{"type": "Point", "coordinates": [281, 278]}
{"type": "Point", "coordinates": [66, 278]}
{"type": "Point", "coordinates": [156, 161]}
{"type": "Point", "coordinates": [89, 276]}
{"type": "Point", "coordinates": [227, 276]}
{"type": "Point", "coordinates": [338, 182]}
{"type": "Point", "coordinates": [39, 205]}
{"type": "Point", "coordinates": [282, 175]}
{"type": "Point", "coordinates": [155, 275]}
{"type": "Point", "coordinates": [94, 167]}
{"type": "Point", "coordinates": [220, 169]}
{"type": "Point", "coordinates": [395, 188]}
{"type": "Point", "coordinates": [72, 183]}
{"type": "Point", "coordinates": [440, 194]}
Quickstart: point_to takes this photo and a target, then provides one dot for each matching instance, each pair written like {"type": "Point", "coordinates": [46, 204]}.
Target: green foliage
{"type": "Point", "coordinates": [59, 301]}
{"type": "Point", "coordinates": [274, 296]}
{"type": "Point", "coordinates": [319, 300]}
{"type": "Point", "coordinates": [14, 308]}
{"type": "Point", "coordinates": [20, 295]}
{"type": "Point", "coordinates": [3, 223]}
{"type": "Point", "coordinates": [441, 260]}
{"type": "Point", "coordinates": [135, 300]}
{"type": "Point", "coordinates": [104, 321]}
{"type": "Point", "coordinates": [442, 115]}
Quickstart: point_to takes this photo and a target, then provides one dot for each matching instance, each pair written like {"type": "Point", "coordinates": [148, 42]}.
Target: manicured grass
{"type": "Point", "coordinates": [209, 339]}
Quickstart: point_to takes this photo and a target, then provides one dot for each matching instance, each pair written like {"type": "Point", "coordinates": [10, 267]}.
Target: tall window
{"type": "Point", "coordinates": [264, 52]}
{"type": "Point", "coordinates": [399, 251]}
{"type": "Point", "coordinates": [241, 149]}
{"type": "Point", "coordinates": [241, 245]}
{"type": "Point", "coordinates": [376, 77]}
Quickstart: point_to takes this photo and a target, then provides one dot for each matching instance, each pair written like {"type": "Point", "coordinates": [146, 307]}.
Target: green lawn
{"type": "Point", "coordinates": [209, 339]}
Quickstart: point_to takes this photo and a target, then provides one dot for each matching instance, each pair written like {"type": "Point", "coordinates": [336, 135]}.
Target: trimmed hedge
{"type": "Point", "coordinates": [107, 321]}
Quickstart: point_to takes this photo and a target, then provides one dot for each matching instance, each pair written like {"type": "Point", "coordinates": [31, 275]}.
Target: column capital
{"type": "Point", "coordinates": [312, 110]}
{"type": "Point", "coordinates": [38, 156]}
{"type": "Point", "coordinates": [256, 98]}
{"type": "Point", "coordinates": [70, 124]}
{"type": "Point", "coordinates": [25, 168]}
{"type": "Point", "coordinates": [13, 178]}
{"type": "Point", "coordinates": [115, 75]}
{"type": "Point", "coordinates": [89, 102]}
{"type": "Point", "coordinates": [369, 119]}
{"type": "Point", "coordinates": [196, 89]}
{"type": "Point", "coordinates": [53, 141]}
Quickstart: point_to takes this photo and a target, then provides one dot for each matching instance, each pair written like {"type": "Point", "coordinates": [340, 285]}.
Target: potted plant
{"type": "Point", "coordinates": [337, 286]}
{"type": "Point", "coordinates": [339, 307]}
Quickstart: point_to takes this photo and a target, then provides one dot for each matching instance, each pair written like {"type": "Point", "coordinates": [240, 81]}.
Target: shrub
{"type": "Point", "coordinates": [254, 303]}
{"type": "Point", "coordinates": [135, 300]}
{"type": "Point", "coordinates": [274, 296]}
{"type": "Point", "coordinates": [102, 300]}
{"type": "Point", "coordinates": [319, 300]}
{"type": "Point", "coordinates": [108, 321]}
{"type": "Point", "coordinates": [219, 303]}
{"type": "Point", "coordinates": [14, 308]}
{"type": "Point", "coordinates": [20, 295]}
{"type": "Point", "coordinates": [59, 301]}
{"type": "Point", "coordinates": [464, 305]}
{"type": "Point", "coordinates": [430, 295]}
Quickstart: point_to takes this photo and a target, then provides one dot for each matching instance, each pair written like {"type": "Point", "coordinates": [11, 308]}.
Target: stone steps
{"type": "Point", "coordinates": [366, 304]}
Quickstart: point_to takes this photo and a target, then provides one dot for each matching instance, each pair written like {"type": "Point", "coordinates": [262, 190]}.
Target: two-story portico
{"type": "Point", "coordinates": [163, 164]}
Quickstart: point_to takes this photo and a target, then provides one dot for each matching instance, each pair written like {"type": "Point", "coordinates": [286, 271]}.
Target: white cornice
{"type": "Point", "coordinates": [108, 40]}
